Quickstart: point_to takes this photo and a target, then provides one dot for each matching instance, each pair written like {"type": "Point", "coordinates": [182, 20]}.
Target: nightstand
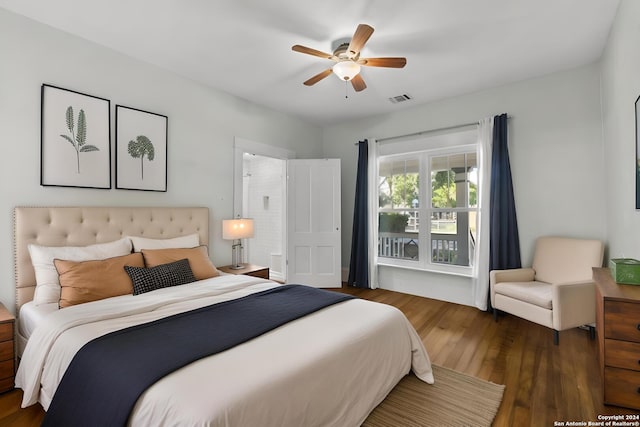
{"type": "Point", "coordinates": [7, 350]}
{"type": "Point", "coordinates": [249, 270]}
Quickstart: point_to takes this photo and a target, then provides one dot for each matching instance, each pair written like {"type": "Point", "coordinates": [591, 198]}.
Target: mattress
{"type": "Point", "coordinates": [329, 368]}
{"type": "Point", "coordinates": [29, 317]}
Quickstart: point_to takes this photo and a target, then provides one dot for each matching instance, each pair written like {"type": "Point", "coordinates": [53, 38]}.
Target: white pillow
{"type": "Point", "coordinates": [189, 241]}
{"type": "Point", "coordinates": [47, 282]}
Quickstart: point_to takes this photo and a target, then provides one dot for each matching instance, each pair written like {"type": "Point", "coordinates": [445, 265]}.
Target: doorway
{"type": "Point", "coordinates": [263, 194]}
{"type": "Point", "coordinates": [259, 192]}
{"type": "Point", "coordinates": [295, 205]}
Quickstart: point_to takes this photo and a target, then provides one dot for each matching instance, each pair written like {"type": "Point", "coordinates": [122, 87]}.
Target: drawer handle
{"type": "Point", "coordinates": [638, 326]}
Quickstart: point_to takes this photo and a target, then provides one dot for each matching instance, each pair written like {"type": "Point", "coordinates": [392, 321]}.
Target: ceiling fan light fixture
{"type": "Point", "coordinates": [346, 70]}
{"type": "Point", "coordinates": [346, 55]}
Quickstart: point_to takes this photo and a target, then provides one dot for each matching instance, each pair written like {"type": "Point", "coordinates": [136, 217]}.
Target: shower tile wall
{"type": "Point", "coordinates": [263, 183]}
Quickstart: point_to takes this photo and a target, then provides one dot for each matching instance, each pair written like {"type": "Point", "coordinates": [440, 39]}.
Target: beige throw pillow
{"type": "Point", "coordinates": [198, 257]}
{"type": "Point", "coordinates": [95, 280]}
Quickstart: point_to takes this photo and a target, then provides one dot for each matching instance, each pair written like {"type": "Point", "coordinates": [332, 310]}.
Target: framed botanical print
{"type": "Point", "coordinates": [141, 150]}
{"type": "Point", "coordinates": [75, 139]}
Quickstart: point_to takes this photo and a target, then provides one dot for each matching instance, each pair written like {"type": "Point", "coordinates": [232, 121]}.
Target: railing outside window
{"type": "Point", "coordinates": [444, 247]}
{"type": "Point", "coordinates": [398, 245]}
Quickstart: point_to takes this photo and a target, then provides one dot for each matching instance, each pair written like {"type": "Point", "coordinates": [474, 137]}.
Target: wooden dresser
{"type": "Point", "coordinates": [618, 329]}
{"type": "Point", "coordinates": [7, 350]}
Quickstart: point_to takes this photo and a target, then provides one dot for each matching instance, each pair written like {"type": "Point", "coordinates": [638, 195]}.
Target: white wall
{"type": "Point", "coordinates": [620, 88]}
{"type": "Point", "coordinates": [202, 126]}
{"type": "Point", "coordinates": [555, 143]}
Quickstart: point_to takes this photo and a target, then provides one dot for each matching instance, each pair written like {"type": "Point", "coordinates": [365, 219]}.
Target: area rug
{"type": "Point", "coordinates": [455, 399]}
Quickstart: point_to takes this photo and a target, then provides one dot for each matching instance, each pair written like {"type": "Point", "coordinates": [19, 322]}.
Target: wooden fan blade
{"type": "Point", "coordinates": [383, 62]}
{"type": "Point", "coordinates": [358, 83]}
{"type": "Point", "coordinates": [360, 37]}
{"type": "Point", "coordinates": [309, 51]}
{"type": "Point", "coordinates": [315, 79]}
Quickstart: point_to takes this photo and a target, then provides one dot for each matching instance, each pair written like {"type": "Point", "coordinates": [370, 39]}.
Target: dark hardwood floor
{"type": "Point", "coordinates": [544, 383]}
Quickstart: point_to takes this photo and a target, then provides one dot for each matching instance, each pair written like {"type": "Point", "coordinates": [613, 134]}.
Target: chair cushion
{"type": "Point", "coordinates": [537, 293]}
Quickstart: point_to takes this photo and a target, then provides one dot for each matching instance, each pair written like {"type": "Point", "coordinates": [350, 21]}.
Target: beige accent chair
{"type": "Point", "coordinates": [557, 291]}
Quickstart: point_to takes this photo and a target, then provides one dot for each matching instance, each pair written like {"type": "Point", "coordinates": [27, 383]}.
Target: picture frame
{"type": "Point", "coordinates": [75, 139]}
{"type": "Point", "coordinates": [638, 152]}
{"type": "Point", "coordinates": [141, 150]}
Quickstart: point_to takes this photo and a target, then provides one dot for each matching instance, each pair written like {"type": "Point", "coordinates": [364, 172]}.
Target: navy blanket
{"type": "Point", "coordinates": [107, 375]}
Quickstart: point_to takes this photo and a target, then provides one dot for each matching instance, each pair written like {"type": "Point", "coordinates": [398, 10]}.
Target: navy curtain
{"type": "Point", "coordinates": [359, 264]}
{"type": "Point", "coordinates": [504, 242]}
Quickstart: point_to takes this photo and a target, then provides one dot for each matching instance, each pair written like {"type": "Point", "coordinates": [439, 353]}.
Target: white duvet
{"type": "Point", "coordinates": [330, 368]}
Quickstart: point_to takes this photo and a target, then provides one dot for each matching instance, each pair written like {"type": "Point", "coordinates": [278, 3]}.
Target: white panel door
{"type": "Point", "coordinates": [313, 222]}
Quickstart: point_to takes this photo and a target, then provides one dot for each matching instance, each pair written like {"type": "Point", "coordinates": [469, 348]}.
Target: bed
{"type": "Point", "coordinates": [328, 368]}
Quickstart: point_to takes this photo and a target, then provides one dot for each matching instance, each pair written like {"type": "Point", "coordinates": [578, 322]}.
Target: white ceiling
{"type": "Point", "coordinates": [243, 47]}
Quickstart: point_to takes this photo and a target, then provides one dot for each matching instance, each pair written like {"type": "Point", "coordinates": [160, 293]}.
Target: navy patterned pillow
{"type": "Point", "coordinates": [161, 276]}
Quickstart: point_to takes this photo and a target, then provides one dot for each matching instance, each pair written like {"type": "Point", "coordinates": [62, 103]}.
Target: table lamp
{"type": "Point", "coordinates": [236, 230]}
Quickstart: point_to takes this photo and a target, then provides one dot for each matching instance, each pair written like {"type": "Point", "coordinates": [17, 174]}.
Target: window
{"type": "Point", "coordinates": [428, 206]}
{"type": "Point", "coordinates": [399, 199]}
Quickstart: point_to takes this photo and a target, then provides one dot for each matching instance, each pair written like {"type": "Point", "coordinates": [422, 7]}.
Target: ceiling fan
{"type": "Point", "coordinates": [346, 55]}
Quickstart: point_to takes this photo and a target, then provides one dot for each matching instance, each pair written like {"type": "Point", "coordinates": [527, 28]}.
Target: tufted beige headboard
{"type": "Point", "coordinates": [80, 226]}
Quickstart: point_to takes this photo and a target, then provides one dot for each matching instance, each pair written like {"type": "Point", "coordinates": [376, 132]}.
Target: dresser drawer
{"type": "Point", "coordinates": [6, 350]}
{"type": "Point", "coordinates": [622, 321]}
{"type": "Point", "coordinates": [6, 384]}
{"type": "Point", "coordinates": [622, 387]}
{"type": "Point", "coordinates": [6, 369]}
{"type": "Point", "coordinates": [6, 331]}
{"type": "Point", "coordinates": [622, 354]}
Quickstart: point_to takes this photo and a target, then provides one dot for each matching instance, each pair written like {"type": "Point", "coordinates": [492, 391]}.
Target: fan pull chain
{"type": "Point", "coordinates": [346, 89]}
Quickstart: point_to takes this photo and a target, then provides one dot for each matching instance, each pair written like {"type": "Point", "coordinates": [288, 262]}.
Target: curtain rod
{"type": "Point", "coordinates": [422, 132]}
{"type": "Point", "coordinates": [428, 131]}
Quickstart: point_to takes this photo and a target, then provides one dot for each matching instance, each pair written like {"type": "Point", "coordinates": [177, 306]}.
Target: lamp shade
{"type": "Point", "coordinates": [346, 70]}
{"type": "Point", "coordinates": [240, 228]}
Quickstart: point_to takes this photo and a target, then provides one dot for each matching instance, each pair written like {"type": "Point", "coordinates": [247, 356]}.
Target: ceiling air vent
{"type": "Point", "coordinates": [400, 98]}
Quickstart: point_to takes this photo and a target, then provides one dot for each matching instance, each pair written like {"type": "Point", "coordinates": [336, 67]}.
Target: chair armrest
{"type": "Point", "coordinates": [574, 304]}
{"type": "Point", "coordinates": [512, 275]}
